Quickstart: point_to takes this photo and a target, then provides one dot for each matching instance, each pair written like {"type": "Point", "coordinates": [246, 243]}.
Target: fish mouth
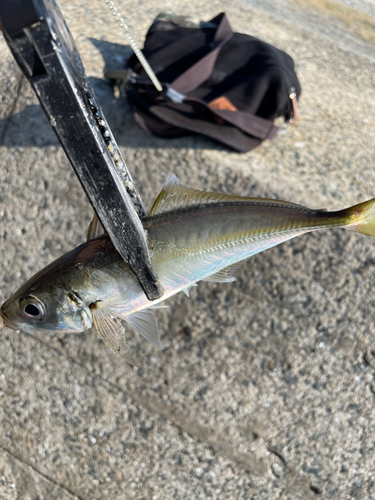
{"type": "Point", "coordinates": [4, 321]}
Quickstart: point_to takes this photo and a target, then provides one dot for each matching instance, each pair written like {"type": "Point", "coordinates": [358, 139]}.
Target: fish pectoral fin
{"type": "Point", "coordinates": [95, 229]}
{"type": "Point", "coordinates": [111, 332]}
{"type": "Point", "coordinates": [144, 322]}
{"type": "Point", "coordinates": [226, 275]}
{"type": "Point", "coordinates": [187, 289]}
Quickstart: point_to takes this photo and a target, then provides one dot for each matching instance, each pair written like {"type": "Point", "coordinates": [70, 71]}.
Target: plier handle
{"type": "Point", "coordinates": [41, 43]}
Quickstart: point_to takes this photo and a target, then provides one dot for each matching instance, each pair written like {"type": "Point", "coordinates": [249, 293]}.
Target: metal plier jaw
{"type": "Point", "coordinates": [41, 43]}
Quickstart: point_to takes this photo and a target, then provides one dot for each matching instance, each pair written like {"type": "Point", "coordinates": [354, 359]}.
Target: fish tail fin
{"type": "Point", "coordinates": [361, 218]}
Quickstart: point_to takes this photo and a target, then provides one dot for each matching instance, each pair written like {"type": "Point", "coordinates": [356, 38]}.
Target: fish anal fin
{"type": "Point", "coordinates": [95, 229]}
{"type": "Point", "coordinates": [111, 332]}
{"type": "Point", "coordinates": [186, 290]}
{"type": "Point", "coordinates": [226, 275]}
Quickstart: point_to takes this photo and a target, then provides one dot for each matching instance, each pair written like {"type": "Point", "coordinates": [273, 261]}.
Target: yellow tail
{"type": "Point", "coordinates": [361, 218]}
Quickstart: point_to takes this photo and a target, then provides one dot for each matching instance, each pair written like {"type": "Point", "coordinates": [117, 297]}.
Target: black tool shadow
{"type": "Point", "coordinates": [30, 127]}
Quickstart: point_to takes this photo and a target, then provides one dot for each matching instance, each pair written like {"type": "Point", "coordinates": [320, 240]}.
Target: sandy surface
{"type": "Point", "coordinates": [265, 388]}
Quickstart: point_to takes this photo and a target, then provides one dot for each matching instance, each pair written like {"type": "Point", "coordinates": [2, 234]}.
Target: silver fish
{"type": "Point", "coordinates": [192, 236]}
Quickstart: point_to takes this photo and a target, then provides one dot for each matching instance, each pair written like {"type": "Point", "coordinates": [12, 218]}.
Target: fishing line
{"type": "Point", "coordinates": [137, 51]}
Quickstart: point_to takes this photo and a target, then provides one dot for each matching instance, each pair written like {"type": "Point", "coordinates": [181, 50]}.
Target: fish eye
{"type": "Point", "coordinates": [31, 310]}
{"type": "Point", "coordinates": [32, 307]}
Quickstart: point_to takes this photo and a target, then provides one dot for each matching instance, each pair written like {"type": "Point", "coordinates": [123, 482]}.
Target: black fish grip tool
{"type": "Point", "coordinates": [43, 47]}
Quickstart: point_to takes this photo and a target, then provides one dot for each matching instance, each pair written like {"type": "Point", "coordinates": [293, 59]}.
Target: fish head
{"type": "Point", "coordinates": [45, 304]}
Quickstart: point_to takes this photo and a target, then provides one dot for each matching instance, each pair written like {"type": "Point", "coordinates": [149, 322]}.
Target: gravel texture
{"type": "Point", "coordinates": [265, 388]}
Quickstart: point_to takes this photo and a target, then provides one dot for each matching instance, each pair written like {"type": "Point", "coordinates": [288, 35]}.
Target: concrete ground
{"type": "Point", "coordinates": [265, 388]}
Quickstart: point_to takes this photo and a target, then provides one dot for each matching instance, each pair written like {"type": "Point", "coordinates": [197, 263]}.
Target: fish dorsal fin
{"type": "Point", "coordinates": [186, 290]}
{"type": "Point", "coordinates": [111, 331]}
{"type": "Point", "coordinates": [144, 322]}
{"type": "Point", "coordinates": [175, 195]}
{"type": "Point", "coordinates": [95, 229]}
{"type": "Point", "coordinates": [226, 275]}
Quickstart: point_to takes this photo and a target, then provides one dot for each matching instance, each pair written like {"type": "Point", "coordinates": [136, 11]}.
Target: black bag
{"type": "Point", "coordinates": [228, 86]}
